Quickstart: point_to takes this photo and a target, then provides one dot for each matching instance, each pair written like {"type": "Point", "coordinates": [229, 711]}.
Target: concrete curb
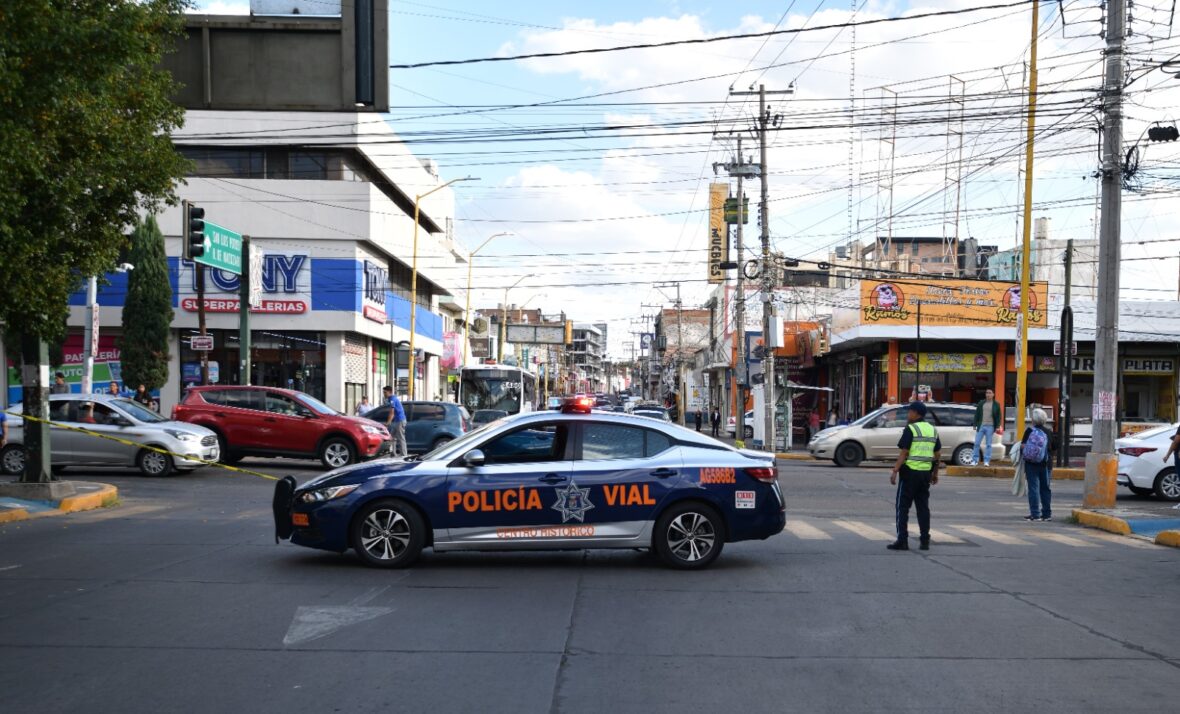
{"type": "Point", "coordinates": [794, 457]}
{"type": "Point", "coordinates": [1168, 538]}
{"type": "Point", "coordinates": [106, 496]}
{"type": "Point", "coordinates": [1101, 521]}
{"type": "Point", "coordinates": [1059, 474]}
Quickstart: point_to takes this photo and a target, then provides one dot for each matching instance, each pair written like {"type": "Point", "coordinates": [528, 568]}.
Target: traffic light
{"type": "Point", "coordinates": [1163, 133]}
{"type": "Point", "coordinates": [194, 231]}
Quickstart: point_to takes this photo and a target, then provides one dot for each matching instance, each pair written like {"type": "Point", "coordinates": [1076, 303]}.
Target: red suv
{"type": "Point", "coordinates": [266, 421]}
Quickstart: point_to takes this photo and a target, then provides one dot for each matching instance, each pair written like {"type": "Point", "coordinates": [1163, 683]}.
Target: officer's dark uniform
{"type": "Point", "coordinates": [913, 484]}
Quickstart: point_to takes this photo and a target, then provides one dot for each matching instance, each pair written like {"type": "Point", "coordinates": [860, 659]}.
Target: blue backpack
{"type": "Point", "coordinates": [1036, 446]}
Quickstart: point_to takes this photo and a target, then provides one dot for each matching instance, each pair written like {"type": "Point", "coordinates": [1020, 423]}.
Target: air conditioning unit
{"type": "Point", "coordinates": [842, 252]}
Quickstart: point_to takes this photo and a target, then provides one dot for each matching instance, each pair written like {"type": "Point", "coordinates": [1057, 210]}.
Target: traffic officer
{"type": "Point", "coordinates": [917, 464]}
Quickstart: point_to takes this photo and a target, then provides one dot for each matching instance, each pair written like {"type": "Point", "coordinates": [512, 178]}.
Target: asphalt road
{"type": "Point", "coordinates": [179, 600]}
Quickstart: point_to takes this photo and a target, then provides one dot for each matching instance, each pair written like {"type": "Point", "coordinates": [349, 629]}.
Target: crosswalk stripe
{"type": "Point", "coordinates": [864, 530]}
{"type": "Point", "coordinates": [1062, 539]}
{"type": "Point", "coordinates": [1111, 538]}
{"type": "Point", "coordinates": [994, 536]}
{"type": "Point", "coordinates": [806, 531]}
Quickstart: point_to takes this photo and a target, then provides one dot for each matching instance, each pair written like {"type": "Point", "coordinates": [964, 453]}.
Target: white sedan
{"type": "Point", "coordinates": [1141, 463]}
{"type": "Point", "coordinates": [731, 425]}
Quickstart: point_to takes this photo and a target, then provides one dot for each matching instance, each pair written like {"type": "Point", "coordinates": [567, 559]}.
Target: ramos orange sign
{"type": "Point", "coordinates": [958, 303]}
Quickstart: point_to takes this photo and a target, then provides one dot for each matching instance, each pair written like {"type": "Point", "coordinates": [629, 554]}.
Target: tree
{"type": "Point", "coordinates": [147, 310]}
{"type": "Point", "coordinates": [85, 118]}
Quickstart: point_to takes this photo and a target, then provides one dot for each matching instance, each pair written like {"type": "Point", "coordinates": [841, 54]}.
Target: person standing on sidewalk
{"type": "Point", "coordinates": [812, 424]}
{"type": "Point", "coordinates": [987, 422]}
{"type": "Point", "coordinates": [59, 384]}
{"type": "Point", "coordinates": [1036, 450]}
{"type": "Point", "coordinates": [914, 472]}
{"type": "Point", "coordinates": [396, 422]}
{"type": "Point", "coordinates": [698, 418]}
{"type": "Point", "coordinates": [716, 420]}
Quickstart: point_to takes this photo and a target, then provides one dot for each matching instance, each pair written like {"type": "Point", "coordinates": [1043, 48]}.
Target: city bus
{"type": "Point", "coordinates": [497, 386]}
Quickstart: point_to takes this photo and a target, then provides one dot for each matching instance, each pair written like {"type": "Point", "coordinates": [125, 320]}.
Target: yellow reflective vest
{"type": "Point", "coordinates": [921, 456]}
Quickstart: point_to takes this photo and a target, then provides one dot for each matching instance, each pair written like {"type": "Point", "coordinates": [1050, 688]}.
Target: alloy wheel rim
{"type": "Point", "coordinates": [691, 536]}
{"type": "Point", "coordinates": [1170, 485]}
{"type": "Point", "coordinates": [154, 462]}
{"type": "Point", "coordinates": [336, 454]}
{"type": "Point", "coordinates": [386, 534]}
{"type": "Point", "coordinates": [14, 461]}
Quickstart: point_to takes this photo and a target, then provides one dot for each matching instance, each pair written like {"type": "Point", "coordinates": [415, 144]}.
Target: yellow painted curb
{"type": "Point", "coordinates": [794, 457]}
{"type": "Point", "coordinates": [1168, 538]}
{"type": "Point", "coordinates": [106, 496]}
{"type": "Point", "coordinates": [1068, 474]}
{"type": "Point", "coordinates": [16, 514]}
{"type": "Point", "coordinates": [1102, 521]}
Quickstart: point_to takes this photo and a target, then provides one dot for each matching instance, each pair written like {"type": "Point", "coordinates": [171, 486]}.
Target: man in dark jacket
{"type": "Point", "coordinates": [716, 420]}
{"type": "Point", "coordinates": [987, 422]}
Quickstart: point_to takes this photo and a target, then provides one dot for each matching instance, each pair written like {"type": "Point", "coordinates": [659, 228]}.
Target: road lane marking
{"type": "Point", "coordinates": [865, 531]}
{"type": "Point", "coordinates": [806, 531]}
{"type": "Point", "coordinates": [994, 536]}
{"type": "Point", "coordinates": [1129, 541]}
{"type": "Point", "coordinates": [1062, 539]}
{"type": "Point", "coordinates": [937, 536]}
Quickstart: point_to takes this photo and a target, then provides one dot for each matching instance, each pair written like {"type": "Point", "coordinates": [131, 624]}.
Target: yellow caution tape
{"type": "Point", "coordinates": [128, 442]}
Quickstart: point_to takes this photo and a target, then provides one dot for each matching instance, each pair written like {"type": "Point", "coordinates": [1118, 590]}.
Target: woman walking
{"type": "Point", "coordinates": [1036, 450]}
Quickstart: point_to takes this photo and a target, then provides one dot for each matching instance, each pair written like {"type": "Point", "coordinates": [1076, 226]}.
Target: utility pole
{"type": "Point", "coordinates": [200, 268]}
{"type": "Point", "coordinates": [740, 170]}
{"type": "Point", "coordinates": [1065, 373]}
{"type": "Point", "coordinates": [1101, 462]}
{"type": "Point", "coordinates": [1025, 292]}
{"type": "Point", "coordinates": [244, 288]}
{"type": "Point", "coordinates": [762, 127]}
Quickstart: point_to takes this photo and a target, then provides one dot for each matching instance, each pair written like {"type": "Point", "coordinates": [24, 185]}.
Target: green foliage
{"type": "Point", "coordinates": [85, 118]}
{"type": "Point", "coordinates": [147, 311]}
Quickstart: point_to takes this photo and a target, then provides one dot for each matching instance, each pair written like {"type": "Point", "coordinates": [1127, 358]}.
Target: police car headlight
{"type": "Point", "coordinates": [182, 435]}
{"type": "Point", "coordinates": [327, 494]}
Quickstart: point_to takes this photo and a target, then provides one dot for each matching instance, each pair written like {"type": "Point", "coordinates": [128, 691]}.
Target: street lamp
{"type": "Point", "coordinates": [467, 312]}
{"type": "Point", "coordinates": [414, 278]}
{"type": "Point", "coordinates": [504, 319]}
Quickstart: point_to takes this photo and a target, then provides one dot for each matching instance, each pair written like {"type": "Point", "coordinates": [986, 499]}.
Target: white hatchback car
{"type": "Point", "coordinates": [1141, 463]}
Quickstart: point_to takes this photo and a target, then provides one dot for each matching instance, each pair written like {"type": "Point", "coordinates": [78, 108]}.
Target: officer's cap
{"type": "Point", "coordinates": [918, 408]}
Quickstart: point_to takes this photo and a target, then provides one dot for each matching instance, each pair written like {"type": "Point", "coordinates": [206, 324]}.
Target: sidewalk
{"type": "Point", "coordinates": [89, 496]}
{"type": "Point", "coordinates": [799, 453]}
{"type": "Point", "coordinates": [1152, 521]}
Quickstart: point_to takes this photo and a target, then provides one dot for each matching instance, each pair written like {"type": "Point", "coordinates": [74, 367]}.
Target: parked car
{"type": "Point", "coordinates": [1141, 464]}
{"type": "Point", "coordinates": [731, 425]}
{"type": "Point", "coordinates": [135, 426]}
{"type": "Point", "coordinates": [429, 425]}
{"type": "Point", "coordinates": [875, 435]}
{"type": "Point", "coordinates": [268, 421]}
{"type": "Point", "coordinates": [553, 403]}
{"type": "Point", "coordinates": [486, 416]}
{"type": "Point", "coordinates": [652, 412]}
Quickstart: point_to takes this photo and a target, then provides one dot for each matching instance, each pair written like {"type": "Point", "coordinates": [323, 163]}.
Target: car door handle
{"type": "Point", "coordinates": [664, 473]}
{"type": "Point", "coordinates": [552, 478]}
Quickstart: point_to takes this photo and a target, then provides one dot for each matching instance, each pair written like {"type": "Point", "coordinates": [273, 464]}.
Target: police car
{"type": "Point", "coordinates": [544, 480]}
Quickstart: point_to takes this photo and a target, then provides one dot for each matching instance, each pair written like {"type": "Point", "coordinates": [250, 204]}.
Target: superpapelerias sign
{"type": "Point", "coordinates": [949, 303]}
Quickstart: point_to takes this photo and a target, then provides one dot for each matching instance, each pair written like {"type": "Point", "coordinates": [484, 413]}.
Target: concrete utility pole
{"type": "Point", "coordinates": [739, 170]}
{"type": "Point", "coordinates": [1102, 462]}
{"type": "Point", "coordinates": [762, 126]}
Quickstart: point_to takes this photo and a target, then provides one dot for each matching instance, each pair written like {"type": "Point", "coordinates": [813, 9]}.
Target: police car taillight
{"type": "Point", "coordinates": [765, 475]}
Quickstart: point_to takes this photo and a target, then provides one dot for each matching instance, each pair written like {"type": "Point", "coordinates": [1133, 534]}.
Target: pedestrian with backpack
{"type": "Point", "coordinates": [1036, 451]}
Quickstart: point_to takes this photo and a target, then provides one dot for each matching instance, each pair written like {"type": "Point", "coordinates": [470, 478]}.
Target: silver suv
{"type": "Point", "coordinates": [117, 417]}
{"type": "Point", "coordinates": [875, 435]}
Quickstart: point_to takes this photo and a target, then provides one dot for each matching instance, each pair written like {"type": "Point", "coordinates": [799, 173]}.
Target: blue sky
{"type": "Point", "coordinates": [553, 194]}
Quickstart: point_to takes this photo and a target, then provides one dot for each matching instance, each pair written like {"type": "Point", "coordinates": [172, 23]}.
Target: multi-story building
{"type": "Point", "coordinates": [288, 146]}
{"type": "Point", "coordinates": [586, 356]}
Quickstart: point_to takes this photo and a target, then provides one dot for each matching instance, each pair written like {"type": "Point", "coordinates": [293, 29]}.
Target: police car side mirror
{"type": "Point", "coordinates": [474, 458]}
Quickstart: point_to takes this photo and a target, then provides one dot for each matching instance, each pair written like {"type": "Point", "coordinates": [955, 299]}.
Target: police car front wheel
{"type": "Point", "coordinates": [388, 534]}
{"type": "Point", "coordinates": [689, 536]}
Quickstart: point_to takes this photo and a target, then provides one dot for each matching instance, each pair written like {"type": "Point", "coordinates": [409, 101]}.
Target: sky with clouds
{"type": "Point", "coordinates": [600, 213]}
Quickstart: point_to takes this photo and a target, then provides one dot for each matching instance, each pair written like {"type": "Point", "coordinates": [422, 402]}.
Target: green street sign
{"type": "Point", "coordinates": [223, 249]}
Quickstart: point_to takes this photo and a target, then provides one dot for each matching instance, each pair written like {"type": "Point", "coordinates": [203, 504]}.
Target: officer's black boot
{"type": "Point", "coordinates": [899, 545]}
{"type": "Point", "coordinates": [924, 544]}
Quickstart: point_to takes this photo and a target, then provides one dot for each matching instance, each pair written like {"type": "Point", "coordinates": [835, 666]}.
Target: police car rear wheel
{"type": "Point", "coordinates": [388, 534]}
{"type": "Point", "coordinates": [689, 536]}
